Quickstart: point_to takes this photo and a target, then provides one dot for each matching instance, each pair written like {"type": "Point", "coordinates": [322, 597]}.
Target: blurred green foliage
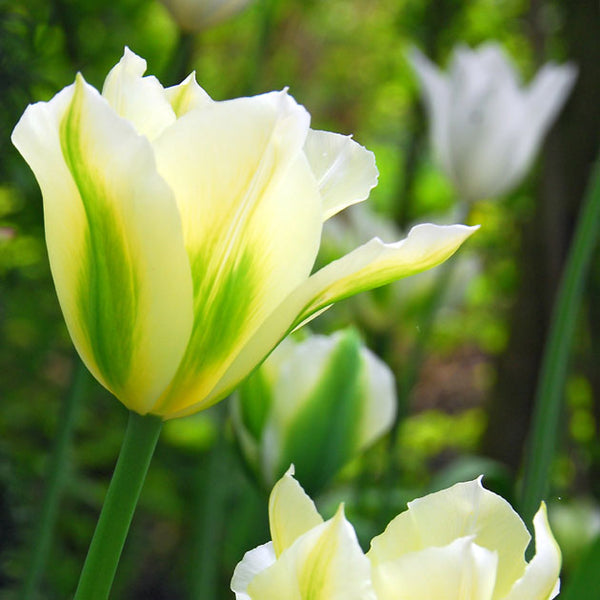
{"type": "Point", "coordinates": [345, 60]}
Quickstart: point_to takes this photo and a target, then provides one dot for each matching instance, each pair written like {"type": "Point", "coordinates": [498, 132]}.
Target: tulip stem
{"type": "Point", "coordinates": [550, 391]}
{"type": "Point", "coordinates": [56, 478]}
{"type": "Point", "coordinates": [123, 492]}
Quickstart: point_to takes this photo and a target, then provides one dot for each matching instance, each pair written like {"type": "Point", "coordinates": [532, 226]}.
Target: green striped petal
{"type": "Point", "coordinates": [291, 512]}
{"type": "Point", "coordinates": [252, 220]}
{"type": "Point", "coordinates": [325, 563]}
{"type": "Point", "coordinates": [345, 171]}
{"type": "Point", "coordinates": [141, 100]}
{"type": "Point", "coordinates": [114, 240]}
{"type": "Point", "coordinates": [369, 266]}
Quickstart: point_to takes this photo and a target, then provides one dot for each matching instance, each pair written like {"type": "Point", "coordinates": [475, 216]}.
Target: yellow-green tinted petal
{"type": "Point", "coordinates": [540, 581]}
{"type": "Point", "coordinates": [346, 171]}
{"type": "Point", "coordinates": [326, 563]}
{"type": "Point", "coordinates": [114, 241]}
{"type": "Point", "coordinates": [375, 264]}
{"type": "Point", "coordinates": [465, 509]}
{"type": "Point", "coordinates": [291, 512]}
{"type": "Point", "coordinates": [141, 100]}
{"type": "Point", "coordinates": [252, 220]}
{"type": "Point", "coordinates": [186, 96]}
{"type": "Point", "coordinates": [369, 266]}
{"type": "Point", "coordinates": [461, 570]}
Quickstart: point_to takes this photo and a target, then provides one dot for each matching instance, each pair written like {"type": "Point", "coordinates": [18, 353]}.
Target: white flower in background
{"type": "Point", "coordinates": [464, 542]}
{"type": "Point", "coordinates": [196, 15]}
{"type": "Point", "coordinates": [485, 128]}
{"type": "Point", "coordinates": [307, 557]}
{"type": "Point", "coordinates": [315, 403]}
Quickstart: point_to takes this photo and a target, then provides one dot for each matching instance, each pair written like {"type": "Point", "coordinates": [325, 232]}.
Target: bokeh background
{"type": "Point", "coordinates": [465, 394]}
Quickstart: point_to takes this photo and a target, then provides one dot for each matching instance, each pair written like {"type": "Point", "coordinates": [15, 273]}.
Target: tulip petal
{"type": "Point", "coordinates": [540, 581]}
{"type": "Point", "coordinates": [542, 102]}
{"type": "Point", "coordinates": [369, 266]}
{"type": "Point", "coordinates": [252, 220]}
{"type": "Point", "coordinates": [345, 171]}
{"type": "Point", "coordinates": [436, 94]}
{"type": "Point", "coordinates": [322, 386]}
{"type": "Point", "coordinates": [254, 562]}
{"type": "Point", "coordinates": [114, 240]}
{"type": "Point", "coordinates": [326, 563]}
{"type": "Point", "coordinates": [140, 100]}
{"type": "Point", "coordinates": [462, 510]}
{"type": "Point", "coordinates": [186, 96]}
{"type": "Point", "coordinates": [291, 512]}
{"type": "Point", "coordinates": [461, 569]}
{"type": "Point", "coordinates": [381, 395]}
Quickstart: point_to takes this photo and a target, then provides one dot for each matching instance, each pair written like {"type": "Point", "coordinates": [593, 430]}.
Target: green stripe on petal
{"type": "Point", "coordinates": [252, 221]}
{"type": "Point", "coordinates": [325, 563]}
{"type": "Point", "coordinates": [114, 240]}
{"type": "Point", "coordinates": [369, 266]}
{"type": "Point", "coordinates": [107, 282]}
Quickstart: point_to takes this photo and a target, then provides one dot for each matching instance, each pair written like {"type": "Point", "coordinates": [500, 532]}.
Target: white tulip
{"type": "Point", "coordinates": [196, 15]}
{"type": "Point", "coordinates": [485, 128]}
{"type": "Point", "coordinates": [464, 542]}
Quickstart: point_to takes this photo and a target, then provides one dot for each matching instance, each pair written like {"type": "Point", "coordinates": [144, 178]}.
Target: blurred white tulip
{"type": "Point", "coordinates": [485, 128]}
{"type": "Point", "coordinates": [196, 15]}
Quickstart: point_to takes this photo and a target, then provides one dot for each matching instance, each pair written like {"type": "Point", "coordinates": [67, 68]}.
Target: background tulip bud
{"type": "Point", "coordinates": [315, 403]}
{"type": "Point", "coordinates": [196, 15]}
{"type": "Point", "coordinates": [485, 128]}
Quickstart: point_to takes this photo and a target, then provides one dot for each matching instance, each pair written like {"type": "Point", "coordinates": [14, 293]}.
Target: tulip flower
{"type": "Point", "coordinates": [315, 403]}
{"type": "Point", "coordinates": [485, 128]}
{"type": "Point", "coordinates": [307, 557]}
{"type": "Point", "coordinates": [182, 231]}
{"type": "Point", "coordinates": [461, 542]}
{"type": "Point", "coordinates": [196, 15]}
{"type": "Point", "coordinates": [464, 542]}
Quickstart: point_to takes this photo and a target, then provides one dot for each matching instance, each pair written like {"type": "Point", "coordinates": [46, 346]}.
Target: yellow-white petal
{"type": "Point", "coordinates": [291, 512]}
{"type": "Point", "coordinates": [141, 100]}
{"type": "Point", "coordinates": [253, 562]}
{"type": "Point", "coordinates": [345, 170]}
{"type": "Point", "coordinates": [540, 581]}
{"type": "Point", "coordinates": [461, 570]}
{"type": "Point", "coordinates": [114, 240]}
{"type": "Point", "coordinates": [369, 266]}
{"type": "Point", "coordinates": [465, 509]}
{"type": "Point", "coordinates": [186, 96]}
{"type": "Point", "coordinates": [326, 563]}
{"type": "Point", "coordinates": [252, 220]}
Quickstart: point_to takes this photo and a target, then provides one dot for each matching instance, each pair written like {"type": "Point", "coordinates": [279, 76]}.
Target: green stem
{"type": "Point", "coordinates": [56, 480]}
{"type": "Point", "coordinates": [119, 505]}
{"type": "Point", "coordinates": [553, 372]}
